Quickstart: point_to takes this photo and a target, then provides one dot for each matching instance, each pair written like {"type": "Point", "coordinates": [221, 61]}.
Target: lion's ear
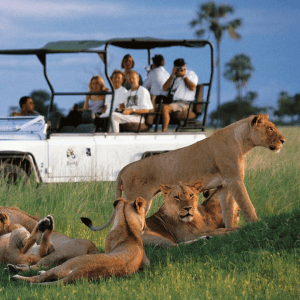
{"type": "Point", "coordinates": [165, 188]}
{"type": "Point", "coordinates": [140, 204]}
{"type": "Point", "coordinates": [259, 120]}
{"type": "Point", "coordinates": [197, 186]}
{"type": "Point", "coordinates": [4, 218]}
{"type": "Point", "coordinates": [119, 200]}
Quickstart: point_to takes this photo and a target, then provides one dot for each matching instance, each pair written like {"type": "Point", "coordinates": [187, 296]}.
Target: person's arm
{"type": "Point", "coordinates": [129, 111]}
{"type": "Point", "coordinates": [168, 83]}
{"type": "Point", "coordinates": [16, 114]}
{"type": "Point", "coordinates": [86, 103]}
{"type": "Point", "coordinates": [189, 84]}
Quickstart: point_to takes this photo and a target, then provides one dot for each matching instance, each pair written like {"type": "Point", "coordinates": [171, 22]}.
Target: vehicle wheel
{"type": "Point", "coordinates": [12, 174]}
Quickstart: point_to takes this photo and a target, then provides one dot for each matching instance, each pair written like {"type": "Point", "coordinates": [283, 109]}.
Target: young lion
{"type": "Point", "coordinates": [218, 160]}
{"type": "Point", "coordinates": [65, 247]}
{"type": "Point", "coordinates": [124, 253]}
{"type": "Point", "coordinates": [17, 245]}
{"type": "Point", "coordinates": [181, 218]}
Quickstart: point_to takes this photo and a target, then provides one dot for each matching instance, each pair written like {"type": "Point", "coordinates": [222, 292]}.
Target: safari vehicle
{"type": "Point", "coordinates": [45, 149]}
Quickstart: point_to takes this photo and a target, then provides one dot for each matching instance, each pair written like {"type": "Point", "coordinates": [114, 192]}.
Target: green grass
{"type": "Point", "coordinates": [260, 261]}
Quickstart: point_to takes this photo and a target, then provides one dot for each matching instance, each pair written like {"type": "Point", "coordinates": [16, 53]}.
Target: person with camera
{"type": "Point", "coordinates": [182, 87]}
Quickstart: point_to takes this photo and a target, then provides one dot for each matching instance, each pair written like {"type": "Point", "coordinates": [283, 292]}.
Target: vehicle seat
{"type": "Point", "coordinates": [67, 129]}
{"type": "Point", "coordinates": [183, 118]}
{"type": "Point", "coordinates": [87, 123]}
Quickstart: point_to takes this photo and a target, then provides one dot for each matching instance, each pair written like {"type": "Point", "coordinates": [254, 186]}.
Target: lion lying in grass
{"type": "Point", "coordinates": [218, 160]}
{"type": "Point", "coordinates": [181, 218]}
{"type": "Point", "coordinates": [64, 246]}
{"type": "Point", "coordinates": [17, 245]}
{"type": "Point", "coordinates": [124, 252]}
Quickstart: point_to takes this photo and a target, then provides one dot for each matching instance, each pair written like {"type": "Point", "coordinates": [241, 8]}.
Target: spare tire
{"type": "Point", "coordinates": [13, 174]}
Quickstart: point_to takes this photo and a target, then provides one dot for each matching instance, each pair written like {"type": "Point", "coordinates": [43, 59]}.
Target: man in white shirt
{"type": "Point", "coordinates": [157, 77]}
{"type": "Point", "coordinates": [138, 102]}
{"type": "Point", "coordinates": [120, 97]}
{"type": "Point", "coordinates": [182, 85]}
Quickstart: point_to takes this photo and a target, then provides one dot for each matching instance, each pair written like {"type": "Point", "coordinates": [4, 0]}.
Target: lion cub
{"type": "Point", "coordinates": [18, 246]}
{"type": "Point", "coordinates": [182, 219]}
{"type": "Point", "coordinates": [124, 253]}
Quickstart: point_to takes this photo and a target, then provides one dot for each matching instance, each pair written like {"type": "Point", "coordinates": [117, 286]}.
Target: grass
{"type": "Point", "coordinates": [260, 261]}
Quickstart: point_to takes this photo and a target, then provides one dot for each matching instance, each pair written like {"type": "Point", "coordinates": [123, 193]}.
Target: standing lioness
{"type": "Point", "coordinates": [217, 160]}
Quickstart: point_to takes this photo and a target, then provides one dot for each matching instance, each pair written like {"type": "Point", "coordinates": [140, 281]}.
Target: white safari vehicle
{"type": "Point", "coordinates": [30, 147]}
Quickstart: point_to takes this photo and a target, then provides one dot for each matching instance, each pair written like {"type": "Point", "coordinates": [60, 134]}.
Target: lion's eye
{"type": "Point", "coordinates": [191, 195]}
{"type": "Point", "coordinates": [177, 198]}
{"type": "Point", "coordinates": [270, 128]}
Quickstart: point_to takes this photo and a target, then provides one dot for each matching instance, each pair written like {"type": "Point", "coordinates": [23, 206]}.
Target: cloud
{"type": "Point", "coordinates": [56, 9]}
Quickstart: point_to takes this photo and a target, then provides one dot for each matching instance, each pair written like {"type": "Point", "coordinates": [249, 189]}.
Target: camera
{"type": "Point", "coordinates": [179, 68]}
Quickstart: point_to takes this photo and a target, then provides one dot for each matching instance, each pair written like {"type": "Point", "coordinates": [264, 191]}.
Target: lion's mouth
{"type": "Point", "coordinates": [187, 217]}
{"type": "Point", "coordinates": [275, 149]}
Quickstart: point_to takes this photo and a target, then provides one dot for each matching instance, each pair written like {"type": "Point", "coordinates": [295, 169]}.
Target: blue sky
{"type": "Point", "coordinates": [270, 37]}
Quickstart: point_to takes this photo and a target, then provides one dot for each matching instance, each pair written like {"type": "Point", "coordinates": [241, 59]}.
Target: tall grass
{"type": "Point", "coordinates": [260, 261]}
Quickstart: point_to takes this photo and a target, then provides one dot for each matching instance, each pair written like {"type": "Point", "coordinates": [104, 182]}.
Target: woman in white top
{"type": "Point", "coordinates": [96, 103]}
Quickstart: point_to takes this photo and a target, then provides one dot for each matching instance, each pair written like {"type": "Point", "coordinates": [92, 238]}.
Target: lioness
{"type": "Point", "coordinates": [181, 218]}
{"type": "Point", "coordinates": [17, 245]}
{"type": "Point", "coordinates": [65, 247]}
{"type": "Point", "coordinates": [124, 252]}
{"type": "Point", "coordinates": [217, 160]}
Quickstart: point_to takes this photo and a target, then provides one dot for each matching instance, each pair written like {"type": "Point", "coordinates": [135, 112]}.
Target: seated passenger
{"type": "Point", "coordinates": [137, 103]}
{"type": "Point", "coordinates": [182, 85]}
{"type": "Point", "coordinates": [128, 64]}
{"type": "Point", "coordinates": [120, 96]}
{"type": "Point", "coordinates": [27, 108]}
{"type": "Point", "coordinates": [95, 103]}
{"type": "Point", "coordinates": [157, 77]}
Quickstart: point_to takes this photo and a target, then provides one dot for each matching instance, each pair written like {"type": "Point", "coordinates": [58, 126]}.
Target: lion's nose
{"type": "Point", "coordinates": [187, 208]}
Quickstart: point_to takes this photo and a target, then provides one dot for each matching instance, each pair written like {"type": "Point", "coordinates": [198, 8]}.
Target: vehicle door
{"type": "Point", "coordinates": [72, 157]}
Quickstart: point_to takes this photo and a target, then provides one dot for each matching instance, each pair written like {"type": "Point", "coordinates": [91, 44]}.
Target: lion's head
{"type": "Point", "coordinates": [130, 212]}
{"type": "Point", "coordinates": [181, 200]}
{"type": "Point", "coordinates": [266, 134]}
{"type": "Point", "coordinates": [4, 222]}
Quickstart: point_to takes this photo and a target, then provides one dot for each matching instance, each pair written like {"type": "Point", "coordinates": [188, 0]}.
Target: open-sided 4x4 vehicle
{"type": "Point", "coordinates": [39, 147]}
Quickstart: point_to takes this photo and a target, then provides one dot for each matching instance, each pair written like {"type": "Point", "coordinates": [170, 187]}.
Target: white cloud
{"type": "Point", "coordinates": [56, 9]}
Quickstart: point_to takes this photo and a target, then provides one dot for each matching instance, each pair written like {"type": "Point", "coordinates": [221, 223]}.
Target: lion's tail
{"type": "Point", "coordinates": [88, 222]}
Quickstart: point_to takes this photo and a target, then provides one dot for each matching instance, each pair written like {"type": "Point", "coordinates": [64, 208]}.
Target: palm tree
{"type": "Point", "coordinates": [239, 71]}
{"type": "Point", "coordinates": [210, 14]}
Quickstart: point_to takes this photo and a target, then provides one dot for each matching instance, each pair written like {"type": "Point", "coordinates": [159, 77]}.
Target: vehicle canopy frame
{"type": "Point", "coordinates": [90, 46]}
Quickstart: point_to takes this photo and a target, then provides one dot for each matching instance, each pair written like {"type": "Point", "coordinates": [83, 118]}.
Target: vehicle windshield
{"type": "Point", "coordinates": [16, 124]}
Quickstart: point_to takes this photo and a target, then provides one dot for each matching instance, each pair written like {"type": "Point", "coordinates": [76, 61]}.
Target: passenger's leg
{"type": "Point", "coordinates": [166, 111]}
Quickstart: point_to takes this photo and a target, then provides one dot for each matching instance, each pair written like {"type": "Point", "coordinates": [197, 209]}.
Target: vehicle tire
{"type": "Point", "coordinates": [13, 174]}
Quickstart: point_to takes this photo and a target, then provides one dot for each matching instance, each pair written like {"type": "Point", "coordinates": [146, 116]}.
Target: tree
{"type": "Point", "coordinates": [239, 71]}
{"type": "Point", "coordinates": [229, 112]}
{"type": "Point", "coordinates": [285, 105]}
{"type": "Point", "coordinates": [210, 14]}
{"type": "Point", "coordinates": [296, 105]}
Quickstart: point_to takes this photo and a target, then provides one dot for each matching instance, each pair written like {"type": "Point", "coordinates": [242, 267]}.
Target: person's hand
{"type": "Point", "coordinates": [181, 72]}
{"type": "Point", "coordinates": [174, 70]}
{"type": "Point", "coordinates": [127, 111]}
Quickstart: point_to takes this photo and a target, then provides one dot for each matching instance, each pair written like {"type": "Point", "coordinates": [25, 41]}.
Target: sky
{"type": "Point", "coordinates": [270, 37]}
